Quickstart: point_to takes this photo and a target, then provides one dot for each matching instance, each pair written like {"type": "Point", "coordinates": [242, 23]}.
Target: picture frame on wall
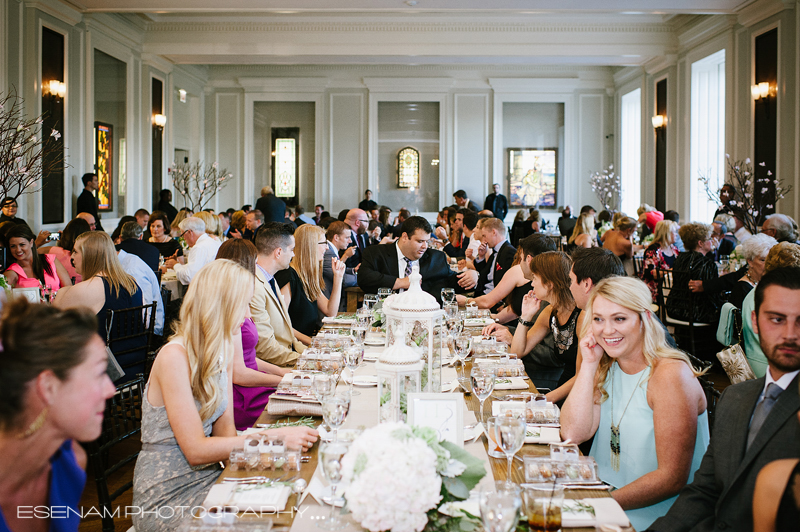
{"type": "Point", "coordinates": [104, 164]}
{"type": "Point", "coordinates": [532, 177]}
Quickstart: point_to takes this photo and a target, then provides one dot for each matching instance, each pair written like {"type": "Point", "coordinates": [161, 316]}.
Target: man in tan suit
{"type": "Point", "coordinates": [276, 341]}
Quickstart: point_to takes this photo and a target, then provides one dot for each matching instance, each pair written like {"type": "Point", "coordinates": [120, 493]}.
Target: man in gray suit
{"type": "Point", "coordinates": [338, 236]}
{"type": "Point", "coordinates": [756, 421]}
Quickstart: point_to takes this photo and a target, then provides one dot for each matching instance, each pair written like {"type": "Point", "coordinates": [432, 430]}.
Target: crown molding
{"type": "Point", "coordinates": [226, 71]}
{"type": "Point", "coordinates": [657, 64]}
{"type": "Point", "coordinates": [157, 62]}
{"type": "Point", "coordinates": [56, 9]}
{"type": "Point", "coordinates": [310, 84]}
{"type": "Point", "coordinates": [704, 29]}
{"type": "Point", "coordinates": [117, 28]}
{"type": "Point", "coordinates": [763, 9]}
{"type": "Point", "coordinates": [627, 74]}
{"type": "Point", "coordinates": [536, 85]}
{"type": "Point", "coordinates": [409, 84]}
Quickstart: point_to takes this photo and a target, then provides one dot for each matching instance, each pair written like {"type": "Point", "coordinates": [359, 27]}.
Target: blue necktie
{"type": "Point", "coordinates": [274, 288]}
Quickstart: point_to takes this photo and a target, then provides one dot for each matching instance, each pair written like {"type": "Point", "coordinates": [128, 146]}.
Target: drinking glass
{"type": "Point", "coordinates": [361, 326]}
{"type": "Point", "coordinates": [330, 460]}
{"type": "Point", "coordinates": [500, 506]}
{"type": "Point", "coordinates": [450, 309]}
{"type": "Point", "coordinates": [510, 435]}
{"type": "Point", "coordinates": [542, 506]}
{"type": "Point", "coordinates": [462, 343]}
{"type": "Point", "coordinates": [483, 383]}
{"type": "Point", "coordinates": [448, 295]}
{"type": "Point", "coordinates": [369, 301]}
{"type": "Point", "coordinates": [322, 386]}
{"type": "Point", "coordinates": [383, 293]}
{"type": "Point", "coordinates": [494, 450]}
{"type": "Point", "coordinates": [334, 412]}
{"type": "Point", "coordinates": [353, 356]}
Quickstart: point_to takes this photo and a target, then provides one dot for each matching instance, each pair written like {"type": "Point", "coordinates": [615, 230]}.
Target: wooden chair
{"type": "Point", "coordinates": [130, 331]}
{"type": "Point", "coordinates": [638, 265]}
{"type": "Point", "coordinates": [117, 445]}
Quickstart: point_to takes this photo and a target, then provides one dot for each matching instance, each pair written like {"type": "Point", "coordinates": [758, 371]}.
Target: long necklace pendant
{"type": "Point", "coordinates": [615, 448]}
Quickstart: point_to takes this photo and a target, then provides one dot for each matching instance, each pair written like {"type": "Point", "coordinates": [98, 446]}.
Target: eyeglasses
{"type": "Point", "coordinates": [323, 243]}
{"type": "Point", "coordinates": [184, 233]}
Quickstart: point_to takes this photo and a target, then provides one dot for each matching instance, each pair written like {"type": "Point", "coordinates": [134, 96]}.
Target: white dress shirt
{"type": "Point", "coordinates": [148, 282]}
{"type": "Point", "coordinates": [783, 382]}
{"type": "Point", "coordinates": [401, 262]}
{"type": "Point", "coordinates": [203, 252]}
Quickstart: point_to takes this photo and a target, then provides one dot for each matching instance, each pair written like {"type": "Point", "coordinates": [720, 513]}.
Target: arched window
{"type": "Point", "coordinates": [408, 168]}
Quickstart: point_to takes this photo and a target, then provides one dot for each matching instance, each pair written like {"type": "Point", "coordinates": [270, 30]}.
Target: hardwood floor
{"type": "Point", "coordinates": [93, 523]}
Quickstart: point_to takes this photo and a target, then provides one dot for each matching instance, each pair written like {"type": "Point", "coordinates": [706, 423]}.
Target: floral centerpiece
{"type": "Point", "coordinates": [607, 186]}
{"type": "Point", "coordinates": [399, 475]}
{"type": "Point", "coordinates": [198, 182]}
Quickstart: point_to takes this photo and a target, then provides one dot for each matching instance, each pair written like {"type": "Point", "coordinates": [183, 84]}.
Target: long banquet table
{"type": "Point", "coordinates": [364, 414]}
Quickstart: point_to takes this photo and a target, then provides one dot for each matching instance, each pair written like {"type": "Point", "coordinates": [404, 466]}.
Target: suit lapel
{"type": "Point", "coordinates": [271, 295]}
{"type": "Point", "coordinates": [393, 267]}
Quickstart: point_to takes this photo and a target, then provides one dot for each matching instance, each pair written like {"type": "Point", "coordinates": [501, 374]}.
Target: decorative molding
{"type": "Point", "coordinates": [116, 28]}
{"type": "Point", "coordinates": [657, 64]}
{"type": "Point", "coordinates": [310, 84]}
{"type": "Point", "coordinates": [157, 62]}
{"type": "Point", "coordinates": [706, 28]}
{"type": "Point", "coordinates": [56, 9]}
{"type": "Point", "coordinates": [227, 71]}
{"type": "Point", "coordinates": [410, 85]}
{"type": "Point", "coordinates": [763, 9]}
{"type": "Point", "coordinates": [535, 85]}
{"type": "Point", "coordinates": [626, 75]}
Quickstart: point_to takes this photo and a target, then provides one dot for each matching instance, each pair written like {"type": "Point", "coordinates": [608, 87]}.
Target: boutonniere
{"type": "Point", "coordinates": [497, 267]}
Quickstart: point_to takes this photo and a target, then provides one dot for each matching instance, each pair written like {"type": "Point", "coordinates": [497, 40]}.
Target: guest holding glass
{"type": "Point", "coordinates": [254, 380]}
{"type": "Point", "coordinates": [660, 255]}
{"type": "Point", "coordinates": [30, 269]}
{"type": "Point", "coordinates": [639, 398]}
{"type": "Point", "coordinates": [187, 415]}
{"type": "Point", "coordinates": [53, 390]}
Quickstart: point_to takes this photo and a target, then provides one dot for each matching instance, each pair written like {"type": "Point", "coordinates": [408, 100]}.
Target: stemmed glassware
{"type": "Point", "coordinates": [361, 325]}
{"type": "Point", "coordinates": [383, 293]}
{"type": "Point", "coordinates": [500, 507]}
{"type": "Point", "coordinates": [510, 435]}
{"type": "Point", "coordinates": [483, 383]}
{"type": "Point", "coordinates": [330, 460]}
{"type": "Point", "coordinates": [334, 412]}
{"type": "Point", "coordinates": [353, 356]}
{"type": "Point", "coordinates": [369, 302]}
{"type": "Point", "coordinates": [448, 295]}
{"type": "Point", "coordinates": [462, 344]}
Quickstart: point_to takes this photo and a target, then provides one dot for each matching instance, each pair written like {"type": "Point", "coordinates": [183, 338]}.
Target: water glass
{"type": "Point", "coordinates": [510, 435]}
{"type": "Point", "coordinates": [353, 357]}
{"type": "Point", "coordinates": [462, 344]}
{"type": "Point", "coordinates": [450, 308]}
{"type": "Point", "coordinates": [383, 293]}
{"type": "Point", "coordinates": [369, 301]}
{"type": "Point", "coordinates": [494, 450]}
{"type": "Point", "coordinates": [330, 460]}
{"type": "Point", "coordinates": [334, 412]}
{"type": "Point", "coordinates": [500, 506]}
{"type": "Point", "coordinates": [542, 503]}
{"type": "Point", "coordinates": [483, 383]}
{"type": "Point", "coordinates": [448, 295]}
{"type": "Point", "coordinates": [322, 386]}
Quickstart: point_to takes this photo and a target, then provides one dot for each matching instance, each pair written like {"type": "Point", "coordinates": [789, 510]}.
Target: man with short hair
{"type": "Point", "coordinates": [493, 235]}
{"type": "Point", "coordinates": [318, 210]}
{"type": "Point", "coordinates": [367, 204]}
{"type": "Point", "coordinates": [131, 242]}
{"type": "Point", "coordinates": [402, 216]}
{"type": "Point", "coordinates": [300, 215]}
{"type": "Point", "coordinates": [358, 222]}
{"type": "Point", "coordinates": [225, 223]}
{"type": "Point", "coordinates": [739, 230]}
{"type": "Point", "coordinates": [755, 421]}
{"type": "Point", "coordinates": [276, 341]}
{"type": "Point", "coordinates": [338, 237]}
{"type": "Point", "coordinates": [252, 221]}
{"type": "Point", "coordinates": [389, 265]}
{"type": "Point", "coordinates": [462, 200]}
{"type": "Point", "coordinates": [142, 217]}
{"type": "Point", "coordinates": [87, 202]}
{"type": "Point", "coordinates": [497, 203]}
{"type": "Point", "coordinates": [780, 227]}
{"type": "Point", "coordinates": [458, 249]}
{"type": "Point", "coordinates": [270, 205]}
{"type": "Point", "coordinates": [89, 220]}
{"type": "Point", "coordinates": [566, 223]}
{"type": "Point", "coordinates": [727, 193]}
{"type": "Point", "coordinates": [202, 250]}
{"type": "Point", "coordinates": [725, 242]}
{"type": "Point", "coordinates": [165, 204]}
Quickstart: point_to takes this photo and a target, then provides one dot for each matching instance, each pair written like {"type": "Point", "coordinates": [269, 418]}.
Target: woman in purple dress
{"type": "Point", "coordinates": [253, 379]}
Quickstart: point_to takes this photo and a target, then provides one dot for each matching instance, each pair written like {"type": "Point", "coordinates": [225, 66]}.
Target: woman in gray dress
{"type": "Point", "coordinates": [187, 416]}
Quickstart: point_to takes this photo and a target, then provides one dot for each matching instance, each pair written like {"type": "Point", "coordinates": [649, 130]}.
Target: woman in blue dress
{"type": "Point", "coordinates": [639, 398]}
{"type": "Point", "coordinates": [53, 391]}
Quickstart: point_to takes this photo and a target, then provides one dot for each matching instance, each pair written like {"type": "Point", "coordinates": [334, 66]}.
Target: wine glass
{"type": "Point", "coordinates": [450, 309]}
{"type": "Point", "coordinates": [483, 383]}
{"type": "Point", "coordinates": [462, 344]}
{"type": "Point", "coordinates": [334, 412]}
{"type": "Point", "coordinates": [369, 302]}
{"type": "Point", "coordinates": [448, 295]}
{"type": "Point", "coordinates": [322, 386]}
{"type": "Point", "coordinates": [383, 293]}
{"type": "Point", "coordinates": [330, 460]}
{"type": "Point", "coordinates": [500, 506]}
{"type": "Point", "coordinates": [353, 356]}
{"type": "Point", "coordinates": [510, 435]}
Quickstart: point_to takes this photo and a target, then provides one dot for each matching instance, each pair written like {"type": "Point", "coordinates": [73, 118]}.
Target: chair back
{"type": "Point", "coordinates": [130, 336]}
{"type": "Point", "coordinates": [638, 265]}
{"type": "Point", "coordinates": [158, 275]}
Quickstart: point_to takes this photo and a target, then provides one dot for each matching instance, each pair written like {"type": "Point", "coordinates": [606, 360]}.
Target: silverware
{"type": "Point", "coordinates": [244, 480]}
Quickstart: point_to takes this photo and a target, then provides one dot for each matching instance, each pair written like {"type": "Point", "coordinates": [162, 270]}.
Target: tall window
{"type": "Point", "coordinates": [707, 149]}
{"type": "Point", "coordinates": [630, 168]}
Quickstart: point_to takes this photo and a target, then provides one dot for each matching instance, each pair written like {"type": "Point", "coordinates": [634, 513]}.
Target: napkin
{"type": "Point", "coordinates": [477, 322]}
{"type": "Point", "coordinates": [471, 434]}
{"type": "Point", "coordinates": [219, 495]}
{"type": "Point", "coordinates": [510, 383]}
{"type": "Point", "coordinates": [607, 512]}
{"type": "Point", "coordinates": [248, 498]}
{"type": "Point", "coordinates": [338, 320]}
{"type": "Point", "coordinates": [543, 435]}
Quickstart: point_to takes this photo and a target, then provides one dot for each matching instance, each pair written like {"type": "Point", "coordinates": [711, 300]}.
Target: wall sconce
{"type": "Point", "coordinates": [182, 95]}
{"type": "Point", "coordinates": [762, 90]}
{"type": "Point", "coordinates": [659, 121]}
{"type": "Point", "coordinates": [56, 88]}
{"type": "Point", "coordinates": [159, 121]}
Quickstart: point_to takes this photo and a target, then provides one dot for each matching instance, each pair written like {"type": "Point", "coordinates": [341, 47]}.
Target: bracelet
{"type": "Point", "coordinates": [525, 323]}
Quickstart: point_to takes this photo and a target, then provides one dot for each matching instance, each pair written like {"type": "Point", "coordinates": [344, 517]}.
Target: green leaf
{"type": "Point", "coordinates": [475, 470]}
{"type": "Point", "coordinates": [467, 526]}
{"type": "Point", "coordinates": [456, 487]}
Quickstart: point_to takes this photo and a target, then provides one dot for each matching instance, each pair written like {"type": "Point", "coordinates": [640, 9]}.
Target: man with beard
{"type": "Point", "coordinates": [756, 421]}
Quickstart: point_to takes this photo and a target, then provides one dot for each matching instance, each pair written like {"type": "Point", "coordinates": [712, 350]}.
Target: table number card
{"type": "Point", "coordinates": [442, 412]}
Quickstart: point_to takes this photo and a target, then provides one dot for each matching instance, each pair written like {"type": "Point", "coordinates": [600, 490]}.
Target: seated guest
{"type": "Point", "coordinates": [276, 340]}
{"type": "Point", "coordinates": [89, 219]}
{"type": "Point", "coordinates": [175, 231]}
{"type": "Point", "coordinates": [238, 224]}
{"type": "Point", "coordinates": [180, 456]}
{"type": "Point", "coordinates": [533, 224]}
{"type": "Point", "coordinates": [725, 241]}
{"type": "Point", "coordinates": [618, 241]}
{"type": "Point", "coordinates": [224, 224]}
{"type": "Point", "coordinates": [584, 235]}
{"type": "Point", "coordinates": [780, 227]}
{"type": "Point", "coordinates": [253, 379]}
{"type": "Point", "coordinates": [252, 221]}
{"type": "Point", "coordinates": [160, 237]}
{"type": "Point", "coordinates": [641, 401]}
{"type": "Point", "coordinates": [648, 217]}
{"type": "Point", "coordinates": [470, 228]}
{"type": "Point", "coordinates": [384, 217]}
{"type": "Point", "coordinates": [358, 222]}
{"type": "Point", "coordinates": [63, 251]}
{"type": "Point", "coordinates": [462, 200]}
{"type": "Point", "coordinates": [338, 238]}
{"type": "Point", "coordinates": [755, 421]}
{"type": "Point", "coordinates": [142, 218]}
{"type": "Point", "coordinates": [202, 250]}
{"type": "Point", "coordinates": [9, 214]}
{"type": "Point", "coordinates": [516, 227]}
{"type": "Point", "coordinates": [402, 216]}
{"type": "Point", "coordinates": [566, 222]}
{"type": "Point", "coordinates": [782, 255]}
{"type": "Point", "coordinates": [212, 225]}
{"type": "Point", "coordinates": [389, 265]}
{"type": "Point", "coordinates": [458, 242]}
{"type": "Point", "coordinates": [491, 270]}
{"type": "Point", "coordinates": [695, 264]}
{"type": "Point", "coordinates": [145, 279]}
{"type": "Point", "coordinates": [302, 285]}
{"type": "Point", "coordinates": [776, 499]}
{"type": "Point", "coordinates": [131, 242]}
{"type": "Point", "coordinates": [117, 232]}
{"type": "Point", "coordinates": [754, 250]}
{"type": "Point", "coordinates": [53, 389]}
{"type": "Point", "coordinates": [660, 255]}
{"type": "Point", "coordinates": [29, 269]}
{"type": "Point", "coordinates": [105, 287]}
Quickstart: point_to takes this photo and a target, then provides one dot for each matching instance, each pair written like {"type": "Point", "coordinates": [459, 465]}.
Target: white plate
{"type": "Point", "coordinates": [376, 342]}
{"type": "Point", "coordinates": [365, 381]}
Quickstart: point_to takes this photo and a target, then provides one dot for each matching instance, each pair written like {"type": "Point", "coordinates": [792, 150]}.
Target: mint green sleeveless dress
{"type": "Point", "coordinates": [637, 440]}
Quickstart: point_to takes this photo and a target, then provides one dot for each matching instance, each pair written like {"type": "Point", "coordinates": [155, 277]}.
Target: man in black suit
{"type": "Point", "coordinates": [87, 202]}
{"type": "Point", "coordinates": [389, 265]}
{"type": "Point", "coordinates": [493, 235]}
{"type": "Point", "coordinates": [756, 421]}
{"type": "Point", "coordinates": [131, 242]}
{"type": "Point", "coordinates": [358, 221]}
{"type": "Point", "coordinates": [462, 200]}
{"type": "Point", "coordinates": [497, 203]}
{"type": "Point", "coordinates": [338, 238]}
{"type": "Point", "coordinates": [270, 206]}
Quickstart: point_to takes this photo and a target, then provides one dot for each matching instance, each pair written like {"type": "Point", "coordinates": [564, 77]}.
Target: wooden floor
{"type": "Point", "coordinates": [90, 500]}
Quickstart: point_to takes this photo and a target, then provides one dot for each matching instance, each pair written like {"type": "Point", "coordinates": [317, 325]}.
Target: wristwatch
{"type": "Point", "coordinates": [525, 323]}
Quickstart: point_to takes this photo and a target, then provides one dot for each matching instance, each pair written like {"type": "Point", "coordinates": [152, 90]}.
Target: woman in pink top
{"type": "Point", "coordinates": [29, 268]}
{"type": "Point", "coordinates": [63, 251]}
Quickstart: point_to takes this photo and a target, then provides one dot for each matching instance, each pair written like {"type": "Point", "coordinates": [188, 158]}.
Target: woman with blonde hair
{"type": "Point", "coordinates": [212, 224]}
{"type": "Point", "coordinates": [639, 398]}
{"type": "Point", "coordinates": [176, 223]}
{"type": "Point", "coordinates": [302, 285]}
{"type": "Point", "coordinates": [618, 241]}
{"type": "Point", "coordinates": [584, 234]}
{"type": "Point", "coordinates": [187, 411]}
{"type": "Point", "coordinates": [105, 287]}
{"type": "Point", "coordinates": [660, 255]}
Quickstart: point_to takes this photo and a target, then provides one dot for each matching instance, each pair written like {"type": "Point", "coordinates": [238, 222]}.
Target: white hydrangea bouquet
{"type": "Point", "coordinates": [398, 475]}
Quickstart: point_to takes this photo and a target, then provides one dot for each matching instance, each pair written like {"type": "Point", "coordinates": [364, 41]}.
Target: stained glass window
{"type": "Point", "coordinates": [408, 168]}
{"type": "Point", "coordinates": [285, 168]}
